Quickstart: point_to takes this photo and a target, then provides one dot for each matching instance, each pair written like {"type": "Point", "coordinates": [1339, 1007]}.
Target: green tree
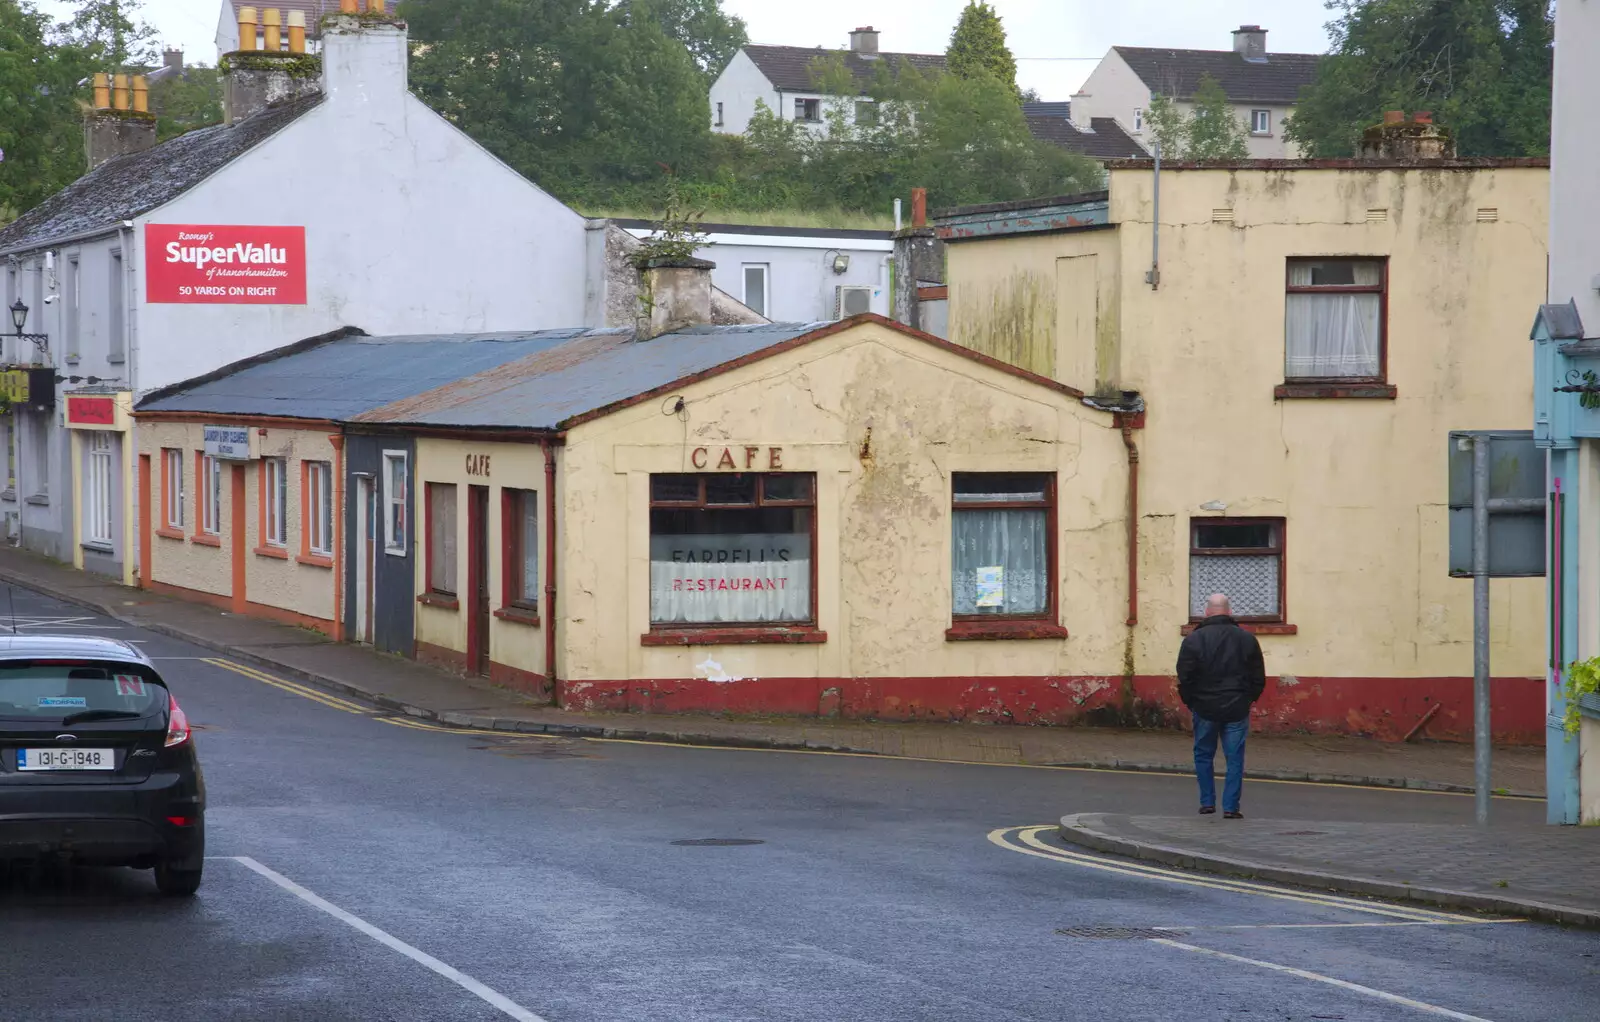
{"type": "Point", "coordinates": [978, 47]}
{"type": "Point", "coordinates": [184, 102]}
{"type": "Point", "coordinates": [1210, 130]}
{"type": "Point", "coordinates": [712, 35]}
{"type": "Point", "coordinates": [1481, 66]}
{"type": "Point", "coordinates": [41, 132]}
{"type": "Point", "coordinates": [113, 33]}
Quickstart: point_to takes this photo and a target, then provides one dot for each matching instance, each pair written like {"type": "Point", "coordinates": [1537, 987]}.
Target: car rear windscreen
{"type": "Point", "coordinates": [36, 690]}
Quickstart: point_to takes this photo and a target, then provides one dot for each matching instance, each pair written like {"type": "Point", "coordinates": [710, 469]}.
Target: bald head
{"type": "Point", "coordinates": [1217, 604]}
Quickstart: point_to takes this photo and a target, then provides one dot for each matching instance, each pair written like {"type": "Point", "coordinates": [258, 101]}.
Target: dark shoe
{"type": "Point", "coordinates": [1233, 814]}
{"type": "Point", "coordinates": [1207, 810]}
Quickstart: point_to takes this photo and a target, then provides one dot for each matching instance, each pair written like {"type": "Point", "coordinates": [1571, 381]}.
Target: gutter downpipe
{"type": "Point", "coordinates": [1153, 278]}
{"type": "Point", "coordinates": [550, 570]}
{"type": "Point", "coordinates": [1133, 519]}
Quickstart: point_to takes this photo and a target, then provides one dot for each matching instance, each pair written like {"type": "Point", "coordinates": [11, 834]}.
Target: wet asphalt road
{"type": "Point", "coordinates": [543, 875]}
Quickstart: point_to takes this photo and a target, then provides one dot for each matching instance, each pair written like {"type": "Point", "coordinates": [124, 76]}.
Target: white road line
{"type": "Point", "coordinates": [461, 979]}
{"type": "Point", "coordinates": [1337, 926]}
{"type": "Point", "coordinates": [1382, 995]}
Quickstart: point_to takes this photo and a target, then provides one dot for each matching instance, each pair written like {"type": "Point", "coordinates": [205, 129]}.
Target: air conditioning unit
{"type": "Point", "coordinates": [852, 301]}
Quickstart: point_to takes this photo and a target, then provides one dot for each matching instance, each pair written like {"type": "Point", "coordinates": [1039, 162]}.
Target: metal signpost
{"type": "Point", "coordinates": [1503, 473]}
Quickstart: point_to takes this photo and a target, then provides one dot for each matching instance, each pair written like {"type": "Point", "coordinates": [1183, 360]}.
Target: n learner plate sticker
{"type": "Point", "coordinates": [129, 685]}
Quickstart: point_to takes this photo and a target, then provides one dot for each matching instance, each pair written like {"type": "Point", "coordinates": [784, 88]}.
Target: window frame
{"type": "Point", "coordinates": [1045, 623]}
{"type": "Point", "coordinates": [717, 123]}
{"type": "Point", "coordinates": [703, 632]}
{"type": "Point", "coordinates": [1381, 289]}
{"type": "Point", "coordinates": [766, 287]}
{"type": "Point", "coordinates": [1138, 120]}
{"type": "Point", "coordinates": [99, 505]}
{"type": "Point", "coordinates": [1280, 531]}
{"type": "Point", "coordinates": [513, 605]}
{"type": "Point", "coordinates": [172, 493]}
{"type": "Point", "coordinates": [316, 511]}
{"type": "Point", "coordinates": [805, 103]}
{"type": "Point", "coordinates": [446, 597]}
{"type": "Point", "coordinates": [208, 497]}
{"type": "Point", "coordinates": [1263, 114]}
{"type": "Point", "coordinates": [273, 500]}
{"type": "Point", "coordinates": [396, 547]}
{"type": "Point", "coordinates": [116, 329]}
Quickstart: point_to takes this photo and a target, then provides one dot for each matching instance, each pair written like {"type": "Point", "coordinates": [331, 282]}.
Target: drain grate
{"type": "Point", "coordinates": [717, 842]}
{"type": "Point", "coordinates": [1116, 932]}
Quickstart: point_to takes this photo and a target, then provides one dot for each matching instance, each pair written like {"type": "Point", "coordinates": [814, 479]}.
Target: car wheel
{"type": "Point", "coordinates": [176, 883]}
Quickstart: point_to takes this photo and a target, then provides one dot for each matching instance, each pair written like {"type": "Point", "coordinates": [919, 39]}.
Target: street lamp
{"type": "Point", "coordinates": [19, 316]}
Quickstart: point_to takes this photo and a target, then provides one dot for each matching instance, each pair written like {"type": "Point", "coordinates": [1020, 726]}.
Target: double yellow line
{"type": "Point", "coordinates": [294, 688]}
{"type": "Point", "coordinates": [1030, 841]}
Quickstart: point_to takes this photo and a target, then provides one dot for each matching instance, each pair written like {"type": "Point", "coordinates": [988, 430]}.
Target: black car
{"type": "Point", "coordinates": [97, 764]}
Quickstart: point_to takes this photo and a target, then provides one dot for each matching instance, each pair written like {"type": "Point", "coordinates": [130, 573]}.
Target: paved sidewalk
{"type": "Point", "coordinates": [396, 683]}
{"type": "Point", "coordinates": [1536, 872]}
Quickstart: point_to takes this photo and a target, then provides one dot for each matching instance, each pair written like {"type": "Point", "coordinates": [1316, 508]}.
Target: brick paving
{"type": "Point", "coordinates": [1508, 860]}
{"type": "Point", "coordinates": [399, 683]}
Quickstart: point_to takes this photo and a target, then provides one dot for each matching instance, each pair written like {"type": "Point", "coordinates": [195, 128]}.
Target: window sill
{"type": "Point", "coordinates": [1381, 391]}
{"type": "Point", "coordinates": [98, 547]}
{"type": "Point", "coordinates": [176, 534]}
{"type": "Point", "coordinates": [439, 600]}
{"type": "Point", "coordinates": [206, 539]}
{"type": "Point", "coordinates": [10, 495]}
{"type": "Point", "coordinates": [272, 551]}
{"type": "Point", "coordinates": [521, 615]}
{"type": "Point", "coordinates": [1254, 627]}
{"type": "Point", "coordinates": [394, 551]}
{"type": "Point", "coordinates": [315, 560]}
{"type": "Point", "coordinates": [736, 636]}
{"type": "Point", "coordinates": [38, 500]}
{"type": "Point", "coordinates": [116, 359]}
{"type": "Point", "coordinates": [965, 631]}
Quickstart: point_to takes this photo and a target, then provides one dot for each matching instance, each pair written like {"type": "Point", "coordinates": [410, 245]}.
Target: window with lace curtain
{"type": "Point", "coordinates": [1241, 558]}
{"type": "Point", "coordinates": [1002, 545]}
{"type": "Point", "coordinates": [1334, 312]}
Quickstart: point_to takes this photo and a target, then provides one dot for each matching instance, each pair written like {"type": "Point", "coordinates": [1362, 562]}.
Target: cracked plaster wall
{"type": "Point", "coordinates": [883, 520]}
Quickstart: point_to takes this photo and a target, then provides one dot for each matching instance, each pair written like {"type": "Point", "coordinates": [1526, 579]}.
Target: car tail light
{"type": "Point", "coordinates": [177, 723]}
{"type": "Point", "coordinates": [181, 821]}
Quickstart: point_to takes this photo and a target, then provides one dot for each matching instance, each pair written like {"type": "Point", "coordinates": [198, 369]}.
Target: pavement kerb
{"type": "Point", "coordinates": [1080, 829]}
{"type": "Point", "coordinates": [580, 730]}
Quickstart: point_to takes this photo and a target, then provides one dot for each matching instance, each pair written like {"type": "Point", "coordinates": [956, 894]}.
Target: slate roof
{"type": "Point", "coordinates": [788, 68]}
{"type": "Point", "coordinates": [1562, 322]}
{"type": "Point", "coordinates": [1047, 108]}
{"type": "Point", "coordinates": [1278, 79]}
{"type": "Point", "coordinates": [341, 375]}
{"type": "Point", "coordinates": [1105, 140]}
{"type": "Point", "coordinates": [590, 371]}
{"type": "Point", "coordinates": [130, 186]}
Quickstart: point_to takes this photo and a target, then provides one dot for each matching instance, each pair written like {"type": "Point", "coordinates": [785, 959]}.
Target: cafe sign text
{"type": "Point", "coordinates": [738, 459]}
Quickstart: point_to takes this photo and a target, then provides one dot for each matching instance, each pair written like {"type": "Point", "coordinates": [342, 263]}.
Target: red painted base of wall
{"type": "Point", "coordinates": [1384, 708]}
{"type": "Point", "coordinates": [504, 675]}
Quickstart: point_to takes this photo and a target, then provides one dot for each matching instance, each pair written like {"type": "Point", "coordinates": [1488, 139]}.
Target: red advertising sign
{"type": "Point", "coordinates": [225, 265]}
{"type": "Point", "coordinates": [91, 411]}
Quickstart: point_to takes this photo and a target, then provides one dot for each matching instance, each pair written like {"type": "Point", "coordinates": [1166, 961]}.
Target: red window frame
{"type": "Point", "coordinates": [1045, 624]}
{"type": "Point", "coordinates": [427, 546]}
{"type": "Point", "coordinates": [1381, 289]}
{"type": "Point", "coordinates": [513, 605]}
{"type": "Point", "coordinates": [1281, 533]}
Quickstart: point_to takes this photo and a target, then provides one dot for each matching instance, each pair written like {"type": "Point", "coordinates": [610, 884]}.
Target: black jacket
{"type": "Point", "coordinates": [1220, 672]}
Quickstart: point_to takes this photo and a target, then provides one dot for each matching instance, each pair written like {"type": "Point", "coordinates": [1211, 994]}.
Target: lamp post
{"type": "Point", "coordinates": [19, 319]}
{"type": "Point", "coordinates": [19, 316]}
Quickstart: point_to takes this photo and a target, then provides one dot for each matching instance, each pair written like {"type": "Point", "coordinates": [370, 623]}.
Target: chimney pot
{"type": "Point", "coordinates": [864, 40]}
{"type": "Point", "coordinates": [272, 30]}
{"type": "Point", "coordinates": [674, 294]}
{"type": "Point", "coordinates": [119, 92]}
{"type": "Point", "coordinates": [1422, 117]}
{"type": "Point", "coordinates": [375, 7]}
{"type": "Point", "coordinates": [349, 7]}
{"type": "Point", "coordinates": [297, 31]}
{"type": "Point", "coordinates": [141, 95]}
{"type": "Point", "coordinates": [247, 29]}
{"type": "Point", "coordinates": [102, 91]}
{"type": "Point", "coordinates": [919, 207]}
{"type": "Point", "coordinates": [1394, 117]}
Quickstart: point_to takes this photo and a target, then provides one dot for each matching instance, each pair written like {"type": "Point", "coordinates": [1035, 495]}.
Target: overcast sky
{"type": "Point", "coordinates": [1037, 29]}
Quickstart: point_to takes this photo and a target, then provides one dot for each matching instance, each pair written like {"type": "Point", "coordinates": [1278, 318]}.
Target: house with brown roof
{"type": "Point", "coordinates": [1263, 87]}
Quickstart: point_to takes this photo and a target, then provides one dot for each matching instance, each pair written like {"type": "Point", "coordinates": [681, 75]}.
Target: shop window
{"type": "Point", "coordinates": [732, 549]}
{"type": "Point", "coordinates": [520, 530]}
{"type": "Point", "coordinates": [316, 495]}
{"type": "Point", "coordinates": [1241, 558]}
{"type": "Point", "coordinates": [97, 489]}
{"type": "Point", "coordinates": [172, 488]}
{"type": "Point", "coordinates": [1334, 321]}
{"type": "Point", "coordinates": [441, 552]}
{"type": "Point", "coordinates": [210, 495]}
{"type": "Point", "coordinates": [396, 479]}
{"type": "Point", "coordinates": [1003, 546]}
{"type": "Point", "coordinates": [274, 502]}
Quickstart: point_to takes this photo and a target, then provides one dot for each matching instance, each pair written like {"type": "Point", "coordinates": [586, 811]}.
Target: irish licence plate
{"type": "Point", "coordinates": [66, 759]}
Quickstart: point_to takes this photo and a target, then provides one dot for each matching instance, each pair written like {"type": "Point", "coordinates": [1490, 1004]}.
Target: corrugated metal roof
{"type": "Point", "coordinates": [585, 373]}
{"type": "Point", "coordinates": [344, 377]}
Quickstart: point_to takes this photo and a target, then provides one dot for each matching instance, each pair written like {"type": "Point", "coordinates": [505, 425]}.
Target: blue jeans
{"type": "Point", "coordinates": [1233, 734]}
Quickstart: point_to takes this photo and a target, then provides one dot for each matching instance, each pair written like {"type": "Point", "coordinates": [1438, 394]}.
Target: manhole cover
{"type": "Point", "coordinates": [1300, 833]}
{"type": "Point", "coordinates": [717, 842]}
{"type": "Point", "coordinates": [1116, 932]}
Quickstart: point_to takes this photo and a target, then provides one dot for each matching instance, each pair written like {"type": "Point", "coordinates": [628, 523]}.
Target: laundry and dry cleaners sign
{"type": "Point", "coordinates": [187, 264]}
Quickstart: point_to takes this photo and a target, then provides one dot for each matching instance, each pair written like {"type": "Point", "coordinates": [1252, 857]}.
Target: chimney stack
{"type": "Point", "coordinates": [172, 60]}
{"type": "Point", "coordinates": [1250, 42]}
{"type": "Point", "coordinates": [1416, 140]}
{"type": "Point", "coordinates": [364, 57]}
{"type": "Point", "coordinates": [253, 80]}
{"type": "Point", "coordinates": [120, 123]}
{"type": "Point", "coordinates": [864, 41]}
{"type": "Point", "coordinates": [674, 293]}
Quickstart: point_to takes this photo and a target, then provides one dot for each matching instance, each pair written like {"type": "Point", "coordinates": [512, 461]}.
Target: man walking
{"type": "Point", "coordinates": [1220, 675]}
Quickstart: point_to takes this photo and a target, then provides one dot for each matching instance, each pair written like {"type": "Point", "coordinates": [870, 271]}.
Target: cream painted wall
{"type": "Point", "coordinates": [882, 419]}
{"type": "Point", "coordinates": [1361, 482]}
{"type": "Point", "coordinates": [514, 465]}
{"type": "Point", "coordinates": [287, 584]}
{"type": "Point", "coordinates": [176, 562]}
